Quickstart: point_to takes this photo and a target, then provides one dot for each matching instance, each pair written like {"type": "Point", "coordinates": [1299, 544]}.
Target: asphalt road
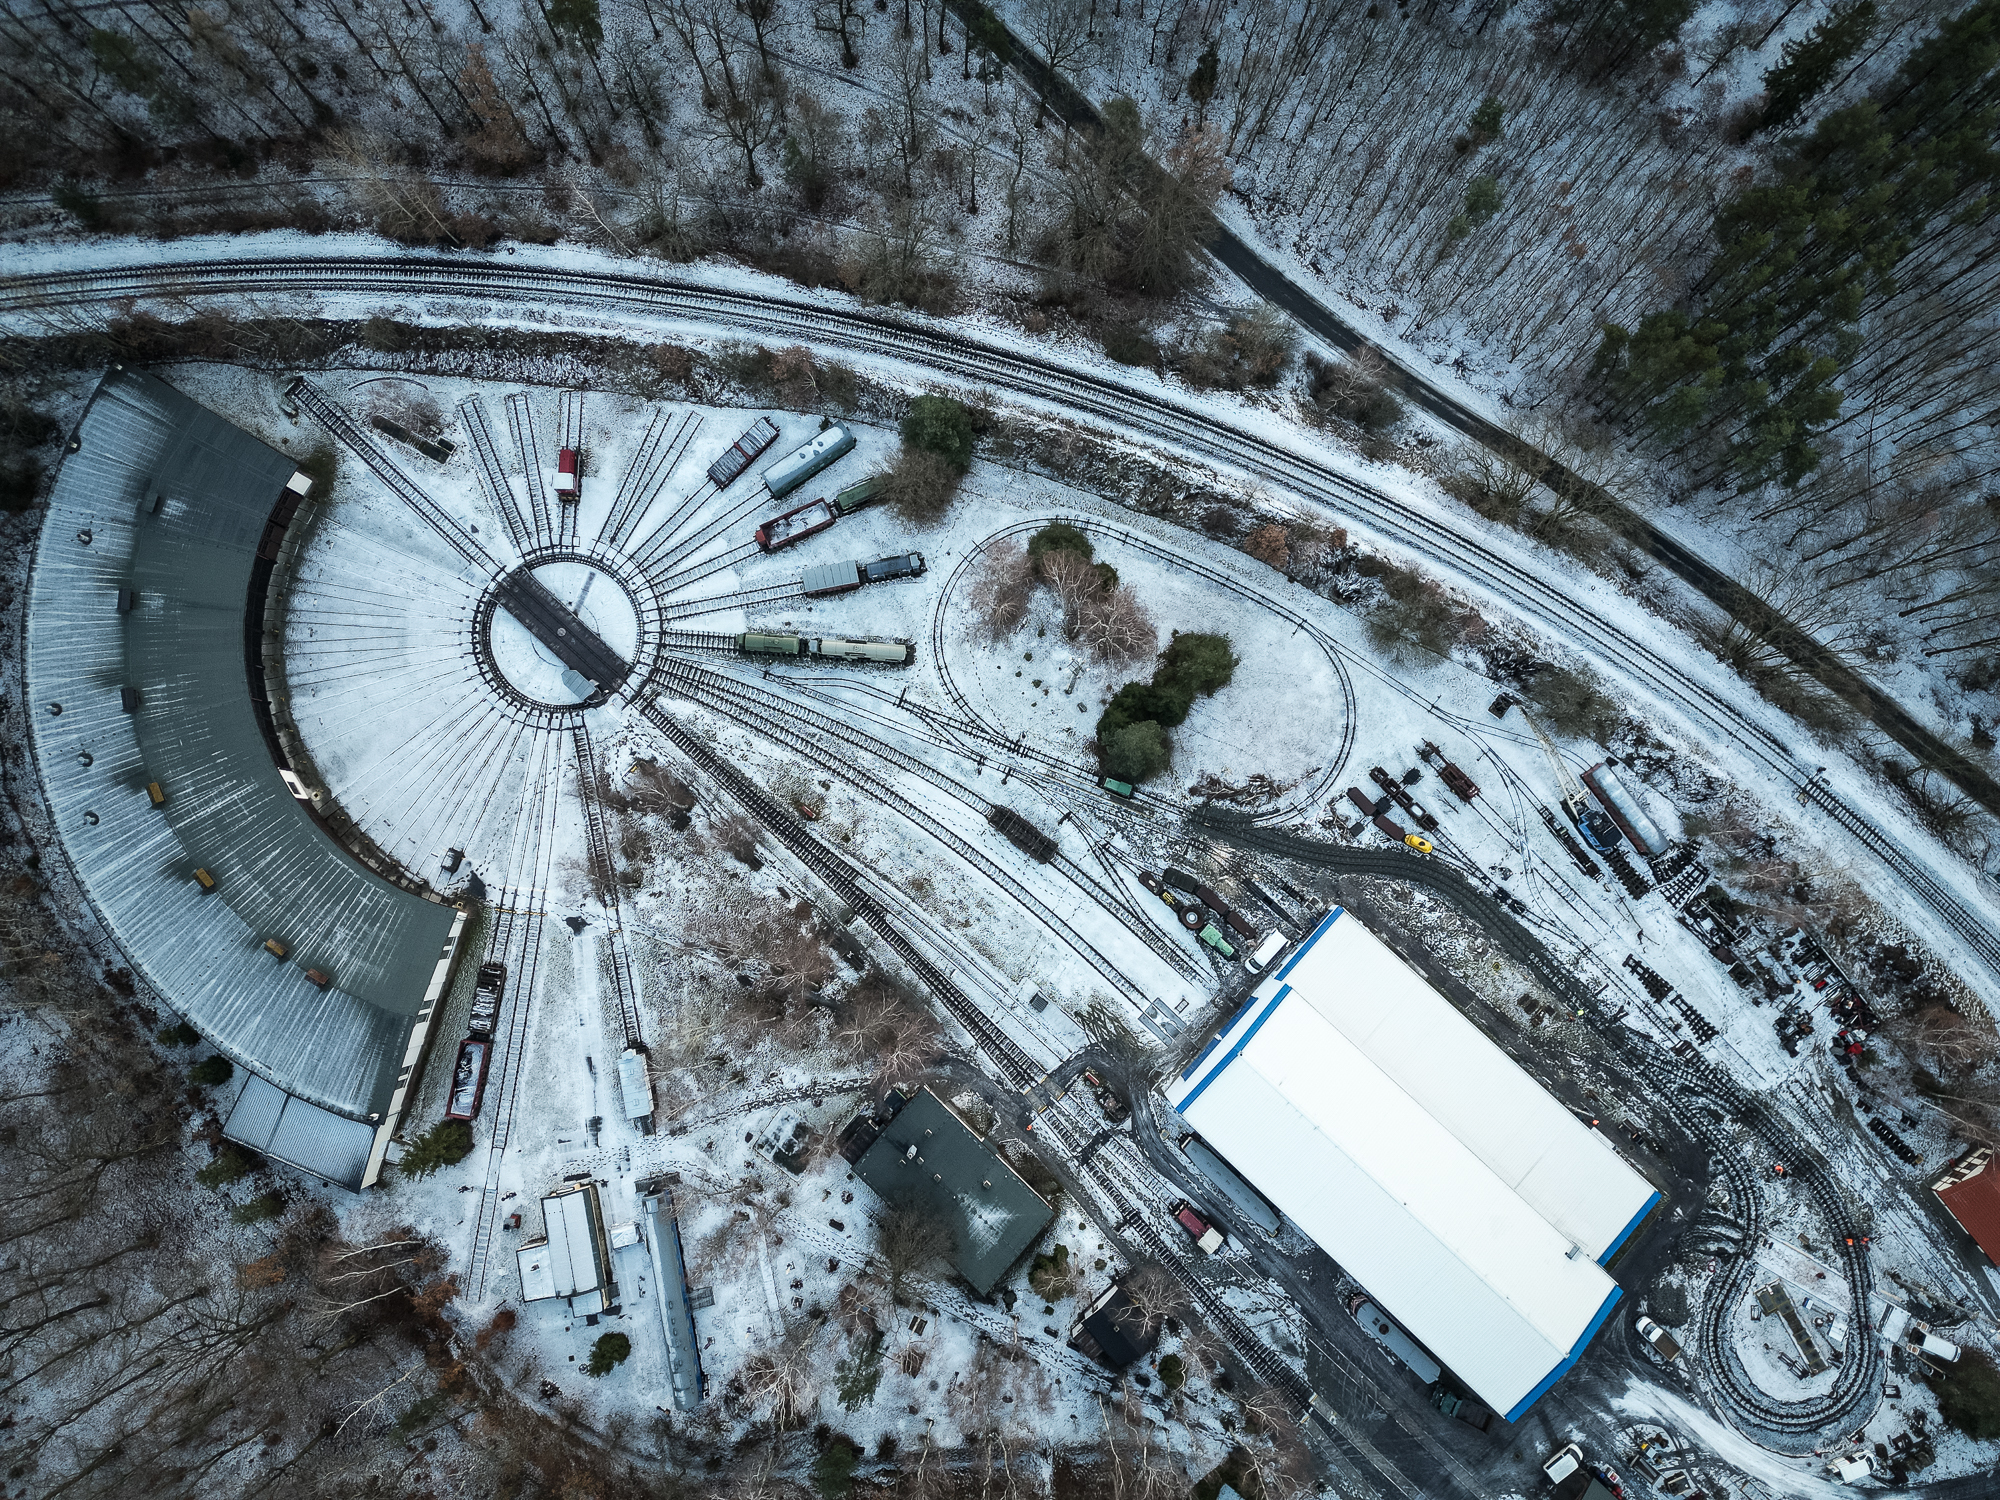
{"type": "Point", "coordinates": [1242, 260]}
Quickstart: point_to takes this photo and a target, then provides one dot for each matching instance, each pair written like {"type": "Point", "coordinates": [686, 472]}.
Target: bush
{"type": "Point", "coordinates": [1253, 350]}
{"type": "Point", "coordinates": [180, 1034]}
{"type": "Point", "coordinates": [921, 487]}
{"type": "Point", "coordinates": [833, 1470]}
{"type": "Point", "coordinates": [610, 1351]}
{"type": "Point", "coordinates": [1173, 1374]}
{"type": "Point", "coordinates": [1058, 536]}
{"type": "Point", "coordinates": [940, 425]}
{"type": "Point", "coordinates": [1129, 344]}
{"type": "Point", "coordinates": [1139, 701]}
{"type": "Point", "coordinates": [257, 1210]}
{"type": "Point", "coordinates": [1202, 663]}
{"type": "Point", "coordinates": [1138, 752]}
{"type": "Point", "coordinates": [445, 1144]}
{"type": "Point", "coordinates": [1569, 703]}
{"type": "Point", "coordinates": [1968, 1395]}
{"type": "Point", "coordinates": [231, 1164]}
{"type": "Point", "coordinates": [212, 1072]}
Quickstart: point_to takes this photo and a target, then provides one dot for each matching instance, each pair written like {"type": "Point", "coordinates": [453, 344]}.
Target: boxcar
{"type": "Point", "coordinates": [796, 467]}
{"type": "Point", "coordinates": [831, 578]}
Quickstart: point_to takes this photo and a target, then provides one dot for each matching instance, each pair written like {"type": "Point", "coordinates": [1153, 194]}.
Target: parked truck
{"type": "Point", "coordinates": [1663, 1342]}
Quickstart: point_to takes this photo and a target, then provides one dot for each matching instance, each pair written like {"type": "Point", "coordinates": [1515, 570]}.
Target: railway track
{"type": "Point", "coordinates": [835, 727]}
{"type": "Point", "coordinates": [1156, 417]}
{"type": "Point", "coordinates": [714, 604]}
{"type": "Point", "coordinates": [604, 871]}
{"type": "Point", "coordinates": [659, 452]}
{"type": "Point", "coordinates": [1181, 562]}
{"type": "Point", "coordinates": [517, 942]}
{"type": "Point", "coordinates": [527, 448]}
{"type": "Point", "coordinates": [493, 473]}
{"type": "Point", "coordinates": [1014, 1064]}
{"type": "Point", "coordinates": [569, 428]}
{"type": "Point", "coordinates": [755, 711]}
{"type": "Point", "coordinates": [1857, 1389]}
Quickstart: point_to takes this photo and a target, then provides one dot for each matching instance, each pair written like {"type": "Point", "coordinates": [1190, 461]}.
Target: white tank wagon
{"type": "Point", "coordinates": [1626, 810]}
{"type": "Point", "coordinates": [796, 467]}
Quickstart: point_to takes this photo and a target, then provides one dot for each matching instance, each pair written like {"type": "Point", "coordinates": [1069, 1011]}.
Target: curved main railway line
{"type": "Point", "coordinates": [550, 531]}
{"type": "Point", "coordinates": [1152, 416]}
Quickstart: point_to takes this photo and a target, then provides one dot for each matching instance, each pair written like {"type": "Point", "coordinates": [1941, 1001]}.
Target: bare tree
{"type": "Point", "coordinates": [881, 1027]}
{"type": "Point", "coordinates": [1113, 626]}
{"type": "Point", "coordinates": [1074, 580]}
{"type": "Point", "coordinates": [786, 1376]}
{"type": "Point", "coordinates": [1002, 588]}
{"type": "Point", "coordinates": [911, 1241]}
{"type": "Point", "coordinates": [1060, 30]}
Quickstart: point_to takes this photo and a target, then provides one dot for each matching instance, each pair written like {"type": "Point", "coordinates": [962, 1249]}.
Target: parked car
{"type": "Point", "coordinates": [1274, 943]}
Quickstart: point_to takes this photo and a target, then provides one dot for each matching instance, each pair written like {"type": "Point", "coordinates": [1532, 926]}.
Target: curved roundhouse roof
{"type": "Point", "coordinates": [174, 501]}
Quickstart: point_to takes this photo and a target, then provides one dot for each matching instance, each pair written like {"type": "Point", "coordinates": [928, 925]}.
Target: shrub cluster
{"type": "Point", "coordinates": [937, 450]}
{"type": "Point", "coordinates": [1132, 739]}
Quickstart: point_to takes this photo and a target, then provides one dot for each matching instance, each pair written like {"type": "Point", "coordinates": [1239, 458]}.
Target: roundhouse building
{"type": "Point", "coordinates": [1475, 1209]}
{"type": "Point", "coordinates": [168, 790]}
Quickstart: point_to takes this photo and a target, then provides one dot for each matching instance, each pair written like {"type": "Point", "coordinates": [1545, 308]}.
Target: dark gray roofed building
{"type": "Point", "coordinates": [929, 1158]}
{"type": "Point", "coordinates": [144, 670]}
{"type": "Point", "coordinates": [1114, 1331]}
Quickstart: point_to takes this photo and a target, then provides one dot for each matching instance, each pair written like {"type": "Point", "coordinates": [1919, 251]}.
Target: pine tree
{"type": "Point", "coordinates": [1809, 66]}
{"type": "Point", "coordinates": [1201, 84]}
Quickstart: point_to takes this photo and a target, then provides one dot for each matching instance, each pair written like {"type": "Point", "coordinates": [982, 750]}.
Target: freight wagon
{"type": "Point", "coordinates": [742, 453]}
{"type": "Point", "coordinates": [468, 1079]}
{"type": "Point", "coordinates": [861, 493]}
{"type": "Point", "coordinates": [796, 467]}
{"type": "Point", "coordinates": [1024, 835]}
{"type": "Point", "coordinates": [844, 577]}
{"type": "Point", "coordinates": [795, 525]}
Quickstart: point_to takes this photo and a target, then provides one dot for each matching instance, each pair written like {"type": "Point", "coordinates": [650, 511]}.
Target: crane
{"type": "Point", "coordinates": [1592, 821]}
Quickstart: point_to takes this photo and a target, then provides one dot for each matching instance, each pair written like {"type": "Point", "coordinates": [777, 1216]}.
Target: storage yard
{"type": "Point", "coordinates": [1414, 1049]}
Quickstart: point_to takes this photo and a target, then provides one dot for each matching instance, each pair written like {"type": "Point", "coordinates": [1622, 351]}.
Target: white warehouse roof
{"type": "Point", "coordinates": [1473, 1206]}
{"type": "Point", "coordinates": [570, 1263]}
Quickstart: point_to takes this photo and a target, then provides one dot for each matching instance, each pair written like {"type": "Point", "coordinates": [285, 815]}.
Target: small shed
{"type": "Point", "coordinates": [1114, 1330]}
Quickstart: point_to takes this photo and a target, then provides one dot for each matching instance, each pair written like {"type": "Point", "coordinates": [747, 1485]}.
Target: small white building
{"type": "Point", "coordinates": [573, 1260]}
{"type": "Point", "coordinates": [1473, 1206]}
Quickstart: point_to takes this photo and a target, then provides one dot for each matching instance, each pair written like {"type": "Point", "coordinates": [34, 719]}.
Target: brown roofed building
{"type": "Point", "coordinates": [1971, 1191]}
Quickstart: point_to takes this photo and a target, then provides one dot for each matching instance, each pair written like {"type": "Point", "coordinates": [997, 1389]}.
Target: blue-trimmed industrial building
{"type": "Point", "coordinates": [1473, 1206]}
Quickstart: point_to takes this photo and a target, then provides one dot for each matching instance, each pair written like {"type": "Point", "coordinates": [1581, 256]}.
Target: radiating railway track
{"type": "Point", "coordinates": [1158, 417]}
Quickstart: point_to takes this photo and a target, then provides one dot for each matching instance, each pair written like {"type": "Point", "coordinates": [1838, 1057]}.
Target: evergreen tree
{"type": "Point", "coordinates": [1484, 126]}
{"type": "Point", "coordinates": [1809, 66]}
{"type": "Point", "coordinates": [1201, 84]}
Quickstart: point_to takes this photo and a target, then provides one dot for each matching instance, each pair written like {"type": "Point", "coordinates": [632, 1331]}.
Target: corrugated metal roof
{"type": "Point", "coordinates": [961, 1180]}
{"type": "Point", "coordinates": [1974, 1200]}
{"type": "Point", "coordinates": [194, 732]}
{"type": "Point", "coordinates": [1374, 1116]}
{"type": "Point", "coordinates": [267, 1119]}
{"type": "Point", "coordinates": [568, 1265]}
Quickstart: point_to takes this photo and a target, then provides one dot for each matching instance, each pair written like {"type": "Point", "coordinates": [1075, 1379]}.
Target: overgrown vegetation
{"type": "Point", "coordinates": [1968, 1394]}
{"type": "Point", "coordinates": [607, 1353]}
{"type": "Point", "coordinates": [1133, 743]}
